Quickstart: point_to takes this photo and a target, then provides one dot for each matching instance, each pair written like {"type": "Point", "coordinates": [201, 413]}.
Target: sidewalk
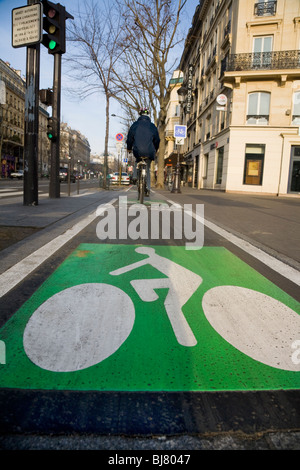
{"type": "Point", "coordinates": [24, 229]}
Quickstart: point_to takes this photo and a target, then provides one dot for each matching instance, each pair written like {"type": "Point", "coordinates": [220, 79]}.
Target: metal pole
{"type": "Point", "coordinates": [176, 185]}
{"type": "Point", "coordinates": [54, 187]}
{"type": "Point", "coordinates": [69, 178]}
{"type": "Point", "coordinates": [30, 186]}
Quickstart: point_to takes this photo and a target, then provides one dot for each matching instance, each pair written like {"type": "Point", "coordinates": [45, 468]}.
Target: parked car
{"type": "Point", "coordinates": [115, 178]}
{"type": "Point", "coordinates": [17, 174]}
{"type": "Point", "coordinates": [63, 175]}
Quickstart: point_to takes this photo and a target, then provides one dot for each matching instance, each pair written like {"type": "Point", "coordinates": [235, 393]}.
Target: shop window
{"type": "Point", "coordinates": [295, 170]}
{"type": "Point", "coordinates": [254, 163]}
{"type": "Point", "coordinates": [258, 108]}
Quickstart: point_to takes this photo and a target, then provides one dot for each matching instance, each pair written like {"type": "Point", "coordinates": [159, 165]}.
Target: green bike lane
{"type": "Point", "coordinates": [157, 332]}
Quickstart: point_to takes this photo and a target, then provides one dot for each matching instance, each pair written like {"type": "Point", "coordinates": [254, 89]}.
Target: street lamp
{"type": "Point", "coordinates": [182, 91]}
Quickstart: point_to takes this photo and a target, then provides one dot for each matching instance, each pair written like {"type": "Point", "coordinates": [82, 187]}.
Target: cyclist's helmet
{"type": "Point", "coordinates": [144, 111]}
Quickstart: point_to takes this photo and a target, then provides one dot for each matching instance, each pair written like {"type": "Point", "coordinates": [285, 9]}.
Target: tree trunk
{"type": "Point", "coordinates": [105, 166]}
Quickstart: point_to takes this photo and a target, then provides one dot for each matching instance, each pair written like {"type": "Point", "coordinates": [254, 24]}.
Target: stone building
{"type": "Point", "coordinates": [172, 119]}
{"type": "Point", "coordinates": [74, 149]}
{"type": "Point", "coordinates": [12, 112]}
{"type": "Point", "coordinates": [241, 65]}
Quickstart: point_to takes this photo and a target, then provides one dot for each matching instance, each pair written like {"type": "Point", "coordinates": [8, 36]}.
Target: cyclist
{"type": "Point", "coordinates": [143, 140]}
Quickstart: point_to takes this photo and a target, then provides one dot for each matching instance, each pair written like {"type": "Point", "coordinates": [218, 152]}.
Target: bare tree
{"type": "Point", "coordinates": [95, 34]}
{"type": "Point", "coordinates": [150, 34]}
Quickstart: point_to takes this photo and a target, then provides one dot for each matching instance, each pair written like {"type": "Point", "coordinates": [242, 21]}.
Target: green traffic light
{"type": "Point", "coordinates": [52, 44]}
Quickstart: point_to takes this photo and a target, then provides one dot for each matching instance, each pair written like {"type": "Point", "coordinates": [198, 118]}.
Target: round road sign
{"type": "Point", "coordinates": [119, 137]}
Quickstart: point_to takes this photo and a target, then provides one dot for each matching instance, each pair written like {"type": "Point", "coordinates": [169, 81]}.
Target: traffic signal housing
{"type": "Point", "coordinates": [51, 129]}
{"type": "Point", "coordinates": [54, 23]}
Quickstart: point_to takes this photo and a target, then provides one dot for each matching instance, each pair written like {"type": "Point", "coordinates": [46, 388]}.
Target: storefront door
{"type": "Point", "coordinates": [294, 185]}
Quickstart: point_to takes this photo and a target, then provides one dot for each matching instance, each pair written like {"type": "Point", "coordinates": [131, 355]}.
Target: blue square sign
{"type": "Point", "coordinates": [180, 131]}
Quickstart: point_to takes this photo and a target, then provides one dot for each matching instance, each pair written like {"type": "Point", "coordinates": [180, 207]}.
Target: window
{"type": "Point", "coordinates": [265, 8]}
{"type": "Point", "coordinates": [262, 51]}
{"type": "Point", "coordinates": [220, 165]}
{"type": "Point", "coordinates": [254, 162]}
{"type": "Point", "coordinates": [258, 108]}
{"type": "Point", "coordinates": [296, 109]}
{"type": "Point", "coordinates": [207, 127]}
{"type": "Point", "coordinates": [205, 166]}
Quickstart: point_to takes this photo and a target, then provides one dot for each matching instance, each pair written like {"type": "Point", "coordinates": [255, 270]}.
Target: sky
{"type": "Point", "coordinates": [88, 115]}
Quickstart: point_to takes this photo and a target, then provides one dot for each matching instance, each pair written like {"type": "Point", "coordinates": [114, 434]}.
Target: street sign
{"type": "Point", "coordinates": [180, 131]}
{"type": "Point", "coordinates": [179, 140]}
{"type": "Point", "coordinates": [222, 100]}
{"type": "Point", "coordinates": [119, 137]}
{"type": "Point", "coordinates": [27, 25]}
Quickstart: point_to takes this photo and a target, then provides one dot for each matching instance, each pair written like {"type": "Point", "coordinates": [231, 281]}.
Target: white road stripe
{"type": "Point", "coordinates": [14, 275]}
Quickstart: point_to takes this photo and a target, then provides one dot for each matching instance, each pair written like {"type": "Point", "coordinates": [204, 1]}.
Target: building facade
{"type": "Point", "coordinates": [73, 146]}
{"type": "Point", "coordinates": [12, 112]}
{"type": "Point", "coordinates": [74, 149]}
{"type": "Point", "coordinates": [172, 119]}
{"type": "Point", "coordinates": [241, 65]}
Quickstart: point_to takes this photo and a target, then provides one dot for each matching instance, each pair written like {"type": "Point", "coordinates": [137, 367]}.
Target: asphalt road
{"type": "Point", "coordinates": [148, 419]}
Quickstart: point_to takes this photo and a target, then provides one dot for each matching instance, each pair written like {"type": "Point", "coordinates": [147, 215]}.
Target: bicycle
{"type": "Point", "coordinates": [142, 179]}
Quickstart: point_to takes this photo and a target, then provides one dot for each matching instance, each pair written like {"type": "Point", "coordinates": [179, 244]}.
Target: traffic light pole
{"type": "Point", "coordinates": [54, 187]}
{"type": "Point", "coordinates": [30, 186]}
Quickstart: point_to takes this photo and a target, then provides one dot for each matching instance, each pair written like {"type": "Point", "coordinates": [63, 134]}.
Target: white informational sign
{"type": "Point", "coordinates": [27, 25]}
{"type": "Point", "coordinates": [179, 140]}
{"type": "Point", "coordinates": [222, 100]}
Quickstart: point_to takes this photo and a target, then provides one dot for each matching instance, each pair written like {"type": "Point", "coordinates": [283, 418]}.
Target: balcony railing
{"type": "Point", "coordinates": [265, 8]}
{"type": "Point", "coordinates": [261, 61]}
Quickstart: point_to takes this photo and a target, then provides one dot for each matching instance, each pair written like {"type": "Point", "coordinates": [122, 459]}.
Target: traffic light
{"type": "Point", "coordinates": [46, 97]}
{"type": "Point", "coordinates": [51, 129]}
{"type": "Point", "coordinates": [54, 23]}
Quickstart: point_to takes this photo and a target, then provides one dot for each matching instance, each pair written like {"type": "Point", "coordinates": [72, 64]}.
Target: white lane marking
{"type": "Point", "coordinates": [79, 327]}
{"type": "Point", "coordinates": [283, 269]}
{"type": "Point", "coordinates": [254, 323]}
{"type": "Point", "coordinates": [14, 275]}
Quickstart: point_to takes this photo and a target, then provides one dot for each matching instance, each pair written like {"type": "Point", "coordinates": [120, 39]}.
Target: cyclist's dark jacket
{"type": "Point", "coordinates": [143, 138]}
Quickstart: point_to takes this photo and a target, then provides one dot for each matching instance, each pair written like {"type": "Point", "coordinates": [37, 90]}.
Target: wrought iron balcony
{"type": "Point", "coordinates": [277, 60]}
{"type": "Point", "coordinates": [265, 8]}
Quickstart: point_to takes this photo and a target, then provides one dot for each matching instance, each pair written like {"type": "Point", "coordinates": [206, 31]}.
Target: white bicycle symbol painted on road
{"type": "Point", "coordinates": [85, 324]}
